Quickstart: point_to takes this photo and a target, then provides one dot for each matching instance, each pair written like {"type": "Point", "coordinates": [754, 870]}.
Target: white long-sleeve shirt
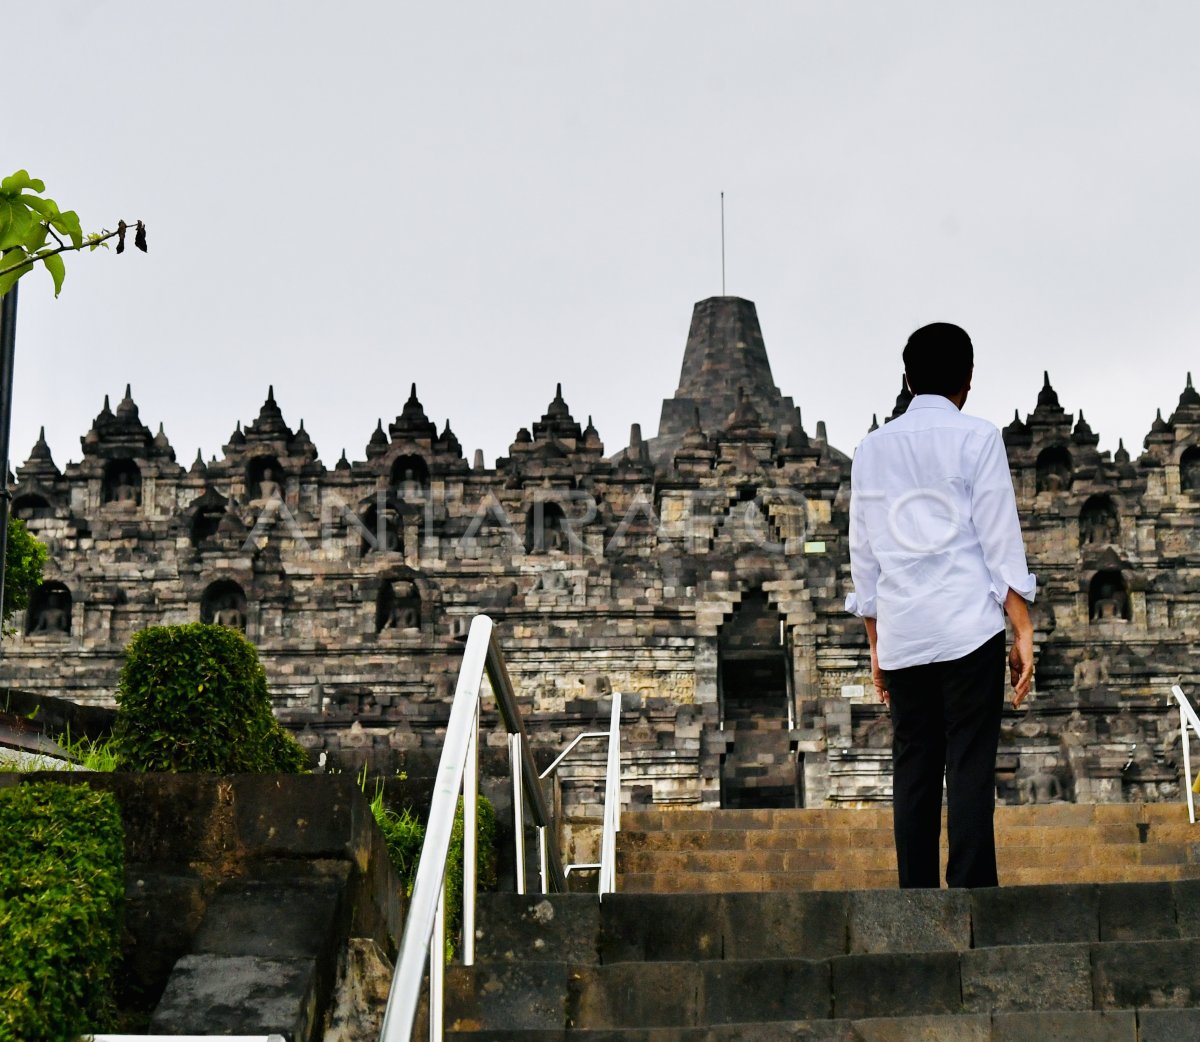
{"type": "Point", "coordinates": [935, 541]}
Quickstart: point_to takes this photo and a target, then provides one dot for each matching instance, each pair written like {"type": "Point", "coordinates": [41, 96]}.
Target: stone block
{"type": "Point", "coordinates": [1155, 974]}
{"type": "Point", "coordinates": [1027, 977]}
{"type": "Point", "coordinates": [1168, 1025]}
{"type": "Point", "coordinates": [238, 994]}
{"type": "Point", "coordinates": [1138, 912]}
{"type": "Point", "coordinates": [784, 925]}
{"type": "Point", "coordinates": [758, 990]}
{"type": "Point", "coordinates": [909, 921]}
{"type": "Point", "coordinates": [977, 1028]}
{"type": "Point", "coordinates": [896, 985]}
{"type": "Point", "coordinates": [656, 928]}
{"type": "Point", "coordinates": [506, 997]}
{"type": "Point", "coordinates": [632, 995]}
{"type": "Point", "coordinates": [270, 920]}
{"type": "Point", "coordinates": [1187, 906]}
{"type": "Point", "coordinates": [1065, 1026]}
{"type": "Point", "coordinates": [1035, 915]}
{"type": "Point", "coordinates": [529, 928]}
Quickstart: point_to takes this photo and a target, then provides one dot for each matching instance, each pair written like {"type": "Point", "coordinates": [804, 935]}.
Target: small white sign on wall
{"type": "Point", "coordinates": [853, 690]}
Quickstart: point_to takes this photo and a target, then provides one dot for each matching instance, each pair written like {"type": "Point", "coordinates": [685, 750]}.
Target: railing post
{"type": "Point", "coordinates": [514, 759]}
{"type": "Point", "coordinates": [437, 970]}
{"type": "Point", "coordinates": [470, 842]}
{"type": "Point", "coordinates": [1187, 764]}
{"type": "Point", "coordinates": [543, 871]}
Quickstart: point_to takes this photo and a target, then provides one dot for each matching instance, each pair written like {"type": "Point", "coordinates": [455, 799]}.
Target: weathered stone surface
{"type": "Point", "coordinates": [661, 994]}
{"type": "Point", "coordinates": [1065, 1027]}
{"type": "Point", "coordinates": [1029, 977]}
{"type": "Point", "coordinates": [651, 928]}
{"type": "Point", "coordinates": [1168, 1025]}
{"type": "Point", "coordinates": [910, 921]}
{"type": "Point", "coordinates": [784, 925]}
{"type": "Point", "coordinates": [759, 990]}
{"type": "Point", "coordinates": [1154, 974]}
{"type": "Point", "coordinates": [238, 994]}
{"type": "Point", "coordinates": [502, 996]}
{"type": "Point", "coordinates": [927, 1029]}
{"type": "Point", "coordinates": [866, 986]}
{"type": "Point", "coordinates": [1138, 912]}
{"type": "Point", "coordinates": [1035, 915]}
{"type": "Point", "coordinates": [536, 928]}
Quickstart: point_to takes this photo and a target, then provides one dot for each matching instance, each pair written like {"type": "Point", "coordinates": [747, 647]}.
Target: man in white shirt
{"type": "Point", "coordinates": [937, 561]}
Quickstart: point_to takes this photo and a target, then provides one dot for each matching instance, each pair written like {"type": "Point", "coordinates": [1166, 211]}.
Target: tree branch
{"type": "Point", "coordinates": [31, 259]}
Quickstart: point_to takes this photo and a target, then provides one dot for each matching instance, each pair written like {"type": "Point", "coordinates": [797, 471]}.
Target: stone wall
{"type": "Point", "coordinates": [617, 572]}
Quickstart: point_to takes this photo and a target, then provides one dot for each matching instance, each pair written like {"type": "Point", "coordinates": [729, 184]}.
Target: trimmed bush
{"type": "Point", "coordinates": [194, 698]}
{"type": "Point", "coordinates": [62, 881]}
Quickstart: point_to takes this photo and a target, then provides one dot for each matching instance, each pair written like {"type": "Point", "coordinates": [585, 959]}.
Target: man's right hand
{"type": "Point", "coordinates": [879, 680]}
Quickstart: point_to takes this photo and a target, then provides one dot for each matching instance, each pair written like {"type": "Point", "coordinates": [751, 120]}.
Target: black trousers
{"type": "Point", "coordinates": [946, 720]}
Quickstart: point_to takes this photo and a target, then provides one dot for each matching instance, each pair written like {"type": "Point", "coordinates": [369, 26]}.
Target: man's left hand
{"type": "Point", "coordinates": [1020, 666]}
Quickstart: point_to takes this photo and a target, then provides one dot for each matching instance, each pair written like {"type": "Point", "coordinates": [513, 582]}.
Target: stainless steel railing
{"type": "Point", "coordinates": [423, 942]}
{"type": "Point", "coordinates": [1187, 719]}
{"type": "Point", "coordinates": [607, 864]}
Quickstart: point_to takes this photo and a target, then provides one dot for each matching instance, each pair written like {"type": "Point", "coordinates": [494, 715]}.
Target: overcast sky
{"type": "Point", "coordinates": [488, 198]}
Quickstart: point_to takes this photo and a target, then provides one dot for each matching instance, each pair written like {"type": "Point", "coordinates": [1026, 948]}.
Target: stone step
{"type": "Point", "coordinates": [1009, 856]}
{"type": "Point", "coordinates": [880, 816]}
{"type": "Point", "coordinates": [263, 960]}
{"type": "Point", "coordinates": [1088, 836]}
{"type": "Point", "coordinates": [1088, 962]}
{"type": "Point", "coordinates": [869, 879]}
{"type": "Point", "coordinates": [1143, 1025]}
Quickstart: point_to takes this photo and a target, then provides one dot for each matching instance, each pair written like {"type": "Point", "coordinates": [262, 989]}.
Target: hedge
{"type": "Point", "coordinates": [62, 881]}
{"type": "Point", "coordinates": [194, 698]}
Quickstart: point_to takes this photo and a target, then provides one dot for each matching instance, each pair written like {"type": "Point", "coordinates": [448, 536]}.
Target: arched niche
{"type": "Point", "coordinates": [545, 528]}
{"type": "Point", "coordinates": [1189, 470]}
{"type": "Point", "coordinates": [49, 611]}
{"type": "Point", "coordinates": [382, 530]}
{"type": "Point", "coordinates": [264, 479]}
{"type": "Point", "coordinates": [1108, 597]}
{"type": "Point", "coordinates": [123, 483]}
{"type": "Point", "coordinates": [224, 604]}
{"type": "Point", "coordinates": [398, 606]}
{"type": "Point", "coordinates": [205, 523]}
{"type": "Point", "coordinates": [409, 475]}
{"type": "Point", "coordinates": [1054, 469]}
{"type": "Point", "coordinates": [1099, 521]}
{"type": "Point", "coordinates": [29, 506]}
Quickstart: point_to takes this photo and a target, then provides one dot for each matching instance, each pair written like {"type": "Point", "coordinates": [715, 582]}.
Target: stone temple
{"type": "Point", "coordinates": [700, 572]}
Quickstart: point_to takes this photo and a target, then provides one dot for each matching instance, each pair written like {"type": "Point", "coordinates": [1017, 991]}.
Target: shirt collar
{"type": "Point", "coordinates": [931, 401]}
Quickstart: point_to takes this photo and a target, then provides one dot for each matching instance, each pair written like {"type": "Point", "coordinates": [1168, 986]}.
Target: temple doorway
{"type": "Point", "coordinates": [759, 768]}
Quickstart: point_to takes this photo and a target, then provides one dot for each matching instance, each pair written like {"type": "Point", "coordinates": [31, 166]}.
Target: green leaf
{"type": "Point", "coordinates": [12, 269]}
{"type": "Point", "coordinates": [58, 270]}
{"type": "Point", "coordinates": [21, 224]}
{"type": "Point", "coordinates": [67, 222]}
{"type": "Point", "coordinates": [37, 237]}
{"type": "Point", "coordinates": [19, 181]}
{"type": "Point", "coordinates": [46, 207]}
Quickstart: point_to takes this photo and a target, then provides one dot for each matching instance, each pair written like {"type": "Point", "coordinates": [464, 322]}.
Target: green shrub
{"type": "Point", "coordinates": [405, 835]}
{"type": "Point", "coordinates": [62, 880]}
{"type": "Point", "coordinates": [24, 558]}
{"type": "Point", "coordinates": [194, 698]}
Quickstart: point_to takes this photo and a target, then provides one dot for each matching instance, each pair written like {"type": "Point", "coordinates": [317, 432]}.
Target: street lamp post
{"type": "Point", "coordinates": [8, 340]}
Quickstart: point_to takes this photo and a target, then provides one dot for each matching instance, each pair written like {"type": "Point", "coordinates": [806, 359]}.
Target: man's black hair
{"type": "Point", "coordinates": [938, 359]}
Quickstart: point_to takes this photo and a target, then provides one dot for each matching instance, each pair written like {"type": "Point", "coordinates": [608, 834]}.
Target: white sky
{"type": "Point", "coordinates": [488, 198]}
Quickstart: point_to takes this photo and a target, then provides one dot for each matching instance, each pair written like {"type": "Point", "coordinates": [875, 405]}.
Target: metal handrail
{"type": "Point", "coordinates": [611, 822]}
{"type": "Point", "coordinates": [423, 941]}
{"type": "Point", "coordinates": [1187, 718]}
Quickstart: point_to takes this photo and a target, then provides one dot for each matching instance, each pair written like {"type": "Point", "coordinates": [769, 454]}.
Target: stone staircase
{"type": "Point", "coordinates": [681, 851]}
{"type": "Point", "coordinates": [707, 942]}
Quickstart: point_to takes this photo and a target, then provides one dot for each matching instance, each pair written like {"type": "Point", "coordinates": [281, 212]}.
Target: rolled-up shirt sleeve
{"type": "Point", "coordinates": [864, 566]}
{"type": "Point", "coordinates": [994, 514]}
